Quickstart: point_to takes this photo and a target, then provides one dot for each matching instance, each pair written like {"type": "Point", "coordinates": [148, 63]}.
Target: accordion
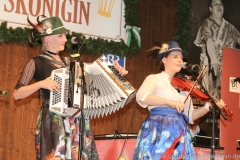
{"type": "Point", "coordinates": [63, 103]}
{"type": "Point", "coordinates": [105, 91]}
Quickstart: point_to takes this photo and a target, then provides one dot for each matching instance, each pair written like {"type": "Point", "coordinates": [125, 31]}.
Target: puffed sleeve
{"type": "Point", "coordinates": [27, 74]}
{"type": "Point", "coordinates": [146, 88]}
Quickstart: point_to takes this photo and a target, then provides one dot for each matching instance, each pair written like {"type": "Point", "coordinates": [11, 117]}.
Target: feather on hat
{"type": "Point", "coordinates": [46, 27]}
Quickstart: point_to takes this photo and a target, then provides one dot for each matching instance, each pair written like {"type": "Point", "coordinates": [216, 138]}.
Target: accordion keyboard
{"type": "Point", "coordinates": [59, 100]}
{"type": "Point", "coordinates": [57, 95]}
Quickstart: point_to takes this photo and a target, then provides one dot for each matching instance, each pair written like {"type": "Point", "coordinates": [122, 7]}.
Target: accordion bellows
{"type": "Point", "coordinates": [102, 92]}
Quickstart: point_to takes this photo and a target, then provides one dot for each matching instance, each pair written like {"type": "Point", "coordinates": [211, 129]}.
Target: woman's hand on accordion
{"type": "Point", "coordinates": [120, 69]}
{"type": "Point", "coordinates": [50, 84]}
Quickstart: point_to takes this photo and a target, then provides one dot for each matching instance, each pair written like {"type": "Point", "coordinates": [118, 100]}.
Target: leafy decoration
{"type": "Point", "coordinates": [184, 24]}
{"type": "Point", "coordinates": [92, 46]}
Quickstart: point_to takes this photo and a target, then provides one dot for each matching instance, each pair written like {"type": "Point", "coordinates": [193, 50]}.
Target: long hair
{"type": "Point", "coordinates": [44, 45]}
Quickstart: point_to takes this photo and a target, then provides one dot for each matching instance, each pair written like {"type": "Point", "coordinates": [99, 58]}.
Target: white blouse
{"type": "Point", "coordinates": [159, 85]}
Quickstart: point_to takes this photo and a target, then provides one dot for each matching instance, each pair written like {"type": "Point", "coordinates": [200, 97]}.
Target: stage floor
{"type": "Point", "coordinates": [112, 148]}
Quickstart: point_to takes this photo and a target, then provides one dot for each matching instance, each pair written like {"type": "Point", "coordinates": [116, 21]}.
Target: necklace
{"type": "Point", "coordinates": [52, 53]}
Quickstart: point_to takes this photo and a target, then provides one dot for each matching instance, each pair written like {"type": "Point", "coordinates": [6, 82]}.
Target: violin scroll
{"type": "Point", "coordinates": [226, 112]}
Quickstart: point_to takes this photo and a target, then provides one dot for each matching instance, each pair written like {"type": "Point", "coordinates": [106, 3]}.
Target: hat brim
{"type": "Point", "coordinates": [59, 31]}
{"type": "Point", "coordinates": [159, 56]}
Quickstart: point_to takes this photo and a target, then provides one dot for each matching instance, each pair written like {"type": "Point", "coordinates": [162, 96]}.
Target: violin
{"type": "Point", "coordinates": [187, 85]}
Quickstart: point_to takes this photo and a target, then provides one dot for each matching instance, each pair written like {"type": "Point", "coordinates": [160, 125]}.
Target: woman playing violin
{"type": "Point", "coordinates": [164, 133]}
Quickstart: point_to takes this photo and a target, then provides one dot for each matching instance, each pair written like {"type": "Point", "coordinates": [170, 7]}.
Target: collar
{"type": "Point", "coordinates": [165, 74]}
{"type": "Point", "coordinates": [52, 53]}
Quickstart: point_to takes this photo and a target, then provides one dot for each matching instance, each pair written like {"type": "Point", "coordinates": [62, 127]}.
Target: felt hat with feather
{"type": "Point", "coordinates": [170, 47]}
{"type": "Point", "coordinates": [47, 27]}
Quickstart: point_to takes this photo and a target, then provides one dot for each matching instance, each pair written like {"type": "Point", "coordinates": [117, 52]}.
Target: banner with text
{"type": "Point", "coordinates": [93, 18]}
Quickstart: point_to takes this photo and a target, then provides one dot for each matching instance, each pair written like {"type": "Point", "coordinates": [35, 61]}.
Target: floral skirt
{"type": "Point", "coordinates": [164, 137]}
{"type": "Point", "coordinates": [57, 137]}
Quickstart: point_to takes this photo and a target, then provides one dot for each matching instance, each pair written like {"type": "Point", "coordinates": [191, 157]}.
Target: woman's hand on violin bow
{"type": "Point", "coordinates": [178, 105]}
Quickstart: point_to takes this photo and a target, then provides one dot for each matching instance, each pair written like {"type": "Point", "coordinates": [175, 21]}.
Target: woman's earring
{"type": "Point", "coordinates": [45, 46]}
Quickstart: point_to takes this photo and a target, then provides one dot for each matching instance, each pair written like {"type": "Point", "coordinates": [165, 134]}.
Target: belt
{"type": "Point", "coordinates": [167, 111]}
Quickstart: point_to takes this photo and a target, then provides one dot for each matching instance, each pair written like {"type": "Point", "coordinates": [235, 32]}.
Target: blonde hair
{"type": "Point", "coordinates": [44, 45]}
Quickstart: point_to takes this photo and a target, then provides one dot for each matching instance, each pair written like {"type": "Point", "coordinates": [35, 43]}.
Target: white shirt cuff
{"type": "Point", "coordinates": [190, 117]}
{"type": "Point", "coordinates": [143, 99]}
{"type": "Point", "coordinates": [207, 106]}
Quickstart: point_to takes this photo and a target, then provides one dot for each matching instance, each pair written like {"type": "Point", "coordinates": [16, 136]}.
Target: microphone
{"type": "Point", "coordinates": [191, 67]}
{"type": "Point", "coordinates": [4, 93]}
{"type": "Point", "coordinates": [75, 40]}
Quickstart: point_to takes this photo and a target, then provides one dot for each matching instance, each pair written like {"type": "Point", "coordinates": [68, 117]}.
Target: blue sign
{"type": "Point", "coordinates": [112, 57]}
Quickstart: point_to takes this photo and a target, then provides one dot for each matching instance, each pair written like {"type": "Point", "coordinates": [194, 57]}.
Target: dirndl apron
{"type": "Point", "coordinates": [164, 136]}
{"type": "Point", "coordinates": [57, 138]}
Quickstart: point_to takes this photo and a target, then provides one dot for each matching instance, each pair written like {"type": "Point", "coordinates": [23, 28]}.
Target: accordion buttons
{"type": "Point", "coordinates": [103, 60]}
{"type": "Point", "coordinates": [115, 71]}
{"type": "Point", "coordinates": [57, 95]}
{"type": "Point", "coordinates": [127, 85]}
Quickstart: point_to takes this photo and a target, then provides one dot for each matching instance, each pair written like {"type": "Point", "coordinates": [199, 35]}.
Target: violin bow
{"type": "Point", "coordinates": [195, 82]}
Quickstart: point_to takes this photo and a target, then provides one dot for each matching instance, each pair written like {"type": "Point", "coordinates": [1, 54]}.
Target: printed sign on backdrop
{"type": "Point", "coordinates": [234, 85]}
{"type": "Point", "coordinates": [93, 18]}
{"type": "Point", "coordinates": [112, 57]}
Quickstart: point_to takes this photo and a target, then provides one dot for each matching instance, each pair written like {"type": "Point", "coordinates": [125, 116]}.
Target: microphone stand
{"type": "Point", "coordinates": [81, 119]}
{"type": "Point", "coordinates": [213, 110]}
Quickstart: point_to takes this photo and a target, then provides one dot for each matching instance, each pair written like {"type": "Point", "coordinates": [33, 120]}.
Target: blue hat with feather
{"type": "Point", "coordinates": [170, 47]}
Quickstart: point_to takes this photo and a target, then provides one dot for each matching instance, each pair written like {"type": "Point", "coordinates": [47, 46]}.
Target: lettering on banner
{"type": "Point", "coordinates": [89, 17]}
{"type": "Point", "coordinates": [79, 9]}
{"type": "Point", "coordinates": [111, 58]}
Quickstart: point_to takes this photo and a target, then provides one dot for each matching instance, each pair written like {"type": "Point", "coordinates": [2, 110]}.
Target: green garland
{"type": "Point", "coordinates": [92, 46]}
{"type": "Point", "coordinates": [184, 24]}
